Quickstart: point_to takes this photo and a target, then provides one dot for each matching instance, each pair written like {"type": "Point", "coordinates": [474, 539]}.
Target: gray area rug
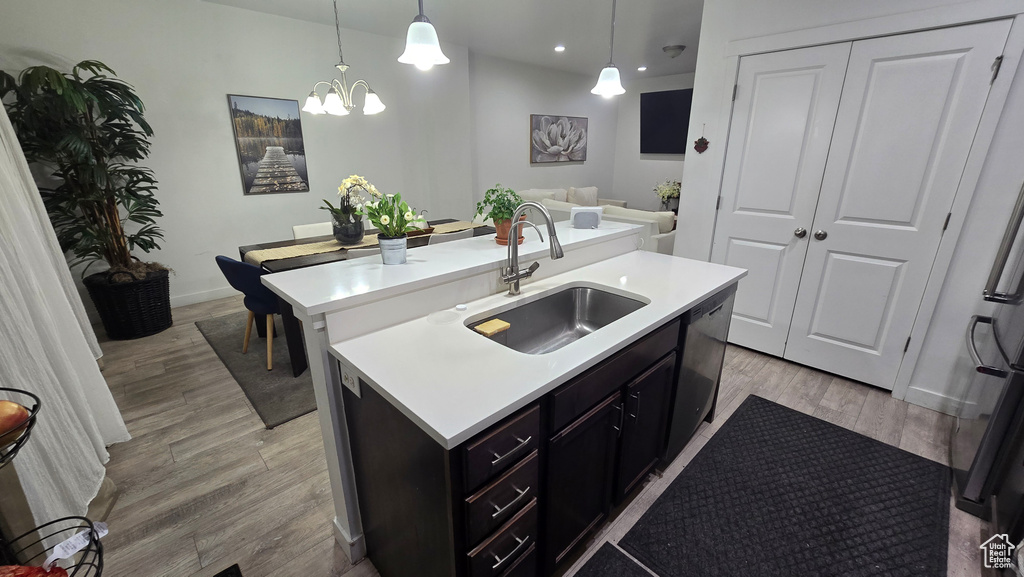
{"type": "Point", "coordinates": [779, 493]}
{"type": "Point", "coordinates": [277, 396]}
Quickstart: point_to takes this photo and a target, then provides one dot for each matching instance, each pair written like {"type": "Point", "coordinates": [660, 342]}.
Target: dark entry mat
{"type": "Point", "coordinates": [778, 493]}
{"type": "Point", "coordinates": [232, 571]}
{"type": "Point", "coordinates": [610, 562]}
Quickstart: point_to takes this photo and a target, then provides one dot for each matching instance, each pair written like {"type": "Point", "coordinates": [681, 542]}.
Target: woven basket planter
{"type": "Point", "coordinates": [130, 310]}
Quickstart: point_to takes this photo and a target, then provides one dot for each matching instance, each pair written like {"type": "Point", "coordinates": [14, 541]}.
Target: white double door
{"type": "Point", "coordinates": [842, 165]}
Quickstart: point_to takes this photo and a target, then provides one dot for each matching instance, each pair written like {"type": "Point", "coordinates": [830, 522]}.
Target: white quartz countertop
{"type": "Point", "coordinates": [455, 383]}
{"type": "Point", "coordinates": [344, 284]}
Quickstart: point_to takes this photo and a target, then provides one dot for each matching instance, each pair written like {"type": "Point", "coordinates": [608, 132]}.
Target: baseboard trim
{"type": "Point", "coordinates": [937, 401]}
{"type": "Point", "coordinates": [354, 548]}
{"type": "Point", "coordinates": [202, 297]}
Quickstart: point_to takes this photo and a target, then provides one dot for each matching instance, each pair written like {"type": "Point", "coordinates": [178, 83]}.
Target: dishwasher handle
{"type": "Point", "coordinates": [990, 293]}
{"type": "Point", "coordinates": [972, 349]}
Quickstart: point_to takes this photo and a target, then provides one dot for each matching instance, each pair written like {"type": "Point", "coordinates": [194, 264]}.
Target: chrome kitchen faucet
{"type": "Point", "coordinates": [511, 274]}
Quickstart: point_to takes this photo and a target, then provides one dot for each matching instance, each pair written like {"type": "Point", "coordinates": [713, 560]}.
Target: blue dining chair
{"type": "Point", "coordinates": [259, 300]}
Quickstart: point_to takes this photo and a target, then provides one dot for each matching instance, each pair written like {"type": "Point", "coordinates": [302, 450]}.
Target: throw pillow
{"type": "Point", "coordinates": [536, 195]}
{"type": "Point", "coordinates": [583, 196]}
{"type": "Point", "coordinates": [559, 194]}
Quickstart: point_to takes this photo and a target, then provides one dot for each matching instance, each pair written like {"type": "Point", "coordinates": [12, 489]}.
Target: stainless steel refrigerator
{"type": "Point", "coordinates": [987, 444]}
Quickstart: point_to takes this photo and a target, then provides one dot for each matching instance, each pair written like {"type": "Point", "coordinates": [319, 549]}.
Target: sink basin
{"type": "Point", "coordinates": [552, 322]}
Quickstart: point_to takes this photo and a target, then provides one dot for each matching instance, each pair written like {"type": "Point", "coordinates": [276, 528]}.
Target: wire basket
{"type": "Point", "coordinates": [34, 547]}
{"type": "Point", "coordinates": [24, 398]}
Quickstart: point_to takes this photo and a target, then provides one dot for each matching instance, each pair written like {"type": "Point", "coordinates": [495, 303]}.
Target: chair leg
{"type": "Point", "coordinates": [248, 332]}
{"type": "Point", "coordinates": [270, 342]}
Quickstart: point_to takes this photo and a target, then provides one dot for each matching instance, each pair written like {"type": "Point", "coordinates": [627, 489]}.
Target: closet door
{"type": "Point", "coordinates": [909, 110]}
{"type": "Point", "coordinates": [782, 123]}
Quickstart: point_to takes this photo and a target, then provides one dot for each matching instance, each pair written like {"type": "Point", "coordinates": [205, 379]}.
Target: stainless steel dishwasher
{"type": "Point", "coordinates": [705, 328]}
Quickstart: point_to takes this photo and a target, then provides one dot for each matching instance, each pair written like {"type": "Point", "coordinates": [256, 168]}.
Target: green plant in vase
{"type": "Point", "coordinates": [393, 217]}
{"type": "Point", "coordinates": [86, 129]}
{"type": "Point", "coordinates": [503, 203]}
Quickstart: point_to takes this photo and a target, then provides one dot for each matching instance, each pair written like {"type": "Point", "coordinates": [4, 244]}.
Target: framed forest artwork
{"type": "Point", "coordinates": [268, 137]}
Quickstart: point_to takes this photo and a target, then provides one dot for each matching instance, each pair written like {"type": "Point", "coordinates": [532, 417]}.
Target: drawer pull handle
{"type": "Point", "coordinates": [499, 510]}
{"type": "Point", "coordinates": [501, 561]}
{"type": "Point", "coordinates": [636, 415]}
{"type": "Point", "coordinates": [522, 443]}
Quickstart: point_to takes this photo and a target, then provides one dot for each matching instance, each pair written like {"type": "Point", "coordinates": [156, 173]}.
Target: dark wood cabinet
{"type": "Point", "coordinates": [581, 467]}
{"type": "Point", "coordinates": [519, 498]}
{"type": "Point", "coordinates": [643, 431]}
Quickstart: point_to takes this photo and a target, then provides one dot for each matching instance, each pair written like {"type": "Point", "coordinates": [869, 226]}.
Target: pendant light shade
{"type": "Point", "coordinates": [373, 105]}
{"type": "Point", "coordinates": [422, 49]}
{"type": "Point", "coordinates": [333, 104]}
{"type": "Point", "coordinates": [313, 105]}
{"type": "Point", "coordinates": [608, 83]}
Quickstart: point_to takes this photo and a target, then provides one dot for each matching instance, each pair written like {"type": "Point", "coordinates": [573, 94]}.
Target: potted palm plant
{"type": "Point", "coordinates": [393, 218]}
{"type": "Point", "coordinates": [87, 129]}
{"type": "Point", "coordinates": [503, 203]}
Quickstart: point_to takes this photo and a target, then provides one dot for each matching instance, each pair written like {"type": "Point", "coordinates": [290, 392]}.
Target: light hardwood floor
{"type": "Point", "coordinates": [204, 485]}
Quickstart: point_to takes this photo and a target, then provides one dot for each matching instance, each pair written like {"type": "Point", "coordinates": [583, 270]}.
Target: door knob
{"type": "Point", "coordinates": [800, 232]}
{"type": "Point", "coordinates": [820, 234]}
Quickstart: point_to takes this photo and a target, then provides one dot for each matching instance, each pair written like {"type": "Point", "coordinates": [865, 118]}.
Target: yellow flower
{"type": "Point", "coordinates": [385, 219]}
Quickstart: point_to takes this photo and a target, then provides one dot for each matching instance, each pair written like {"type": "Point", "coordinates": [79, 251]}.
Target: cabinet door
{"type": "Point", "coordinates": [643, 433]}
{"type": "Point", "coordinates": [908, 115]}
{"type": "Point", "coordinates": [782, 121]}
{"type": "Point", "coordinates": [581, 465]}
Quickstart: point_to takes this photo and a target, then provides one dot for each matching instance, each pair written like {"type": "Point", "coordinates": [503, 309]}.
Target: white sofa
{"type": "Point", "coordinates": [658, 232]}
{"type": "Point", "coordinates": [583, 196]}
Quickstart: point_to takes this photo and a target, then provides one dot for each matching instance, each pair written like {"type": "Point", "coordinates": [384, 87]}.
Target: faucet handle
{"type": "Point", "coordinates": [533, 268]}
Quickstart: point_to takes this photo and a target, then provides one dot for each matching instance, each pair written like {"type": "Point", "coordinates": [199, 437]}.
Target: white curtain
{"type": "Point", "coordinates": [46, 348]}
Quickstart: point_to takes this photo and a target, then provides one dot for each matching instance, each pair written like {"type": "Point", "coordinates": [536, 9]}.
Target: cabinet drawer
{"type": "Point", "coordinates": [499, 449]}
{"type": "Point", "coordinates": [575, 398]}
{"type": "Point", "coordinates": [501, 550]}
{"type": "Point", "coordinates": [526, 566]}
{"type": "Point", "coordinates": [497, 502]}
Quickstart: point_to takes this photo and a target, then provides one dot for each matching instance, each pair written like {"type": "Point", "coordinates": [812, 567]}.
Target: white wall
{"type": "Point", "coordinates": [941, 372]}
{"type": "Point", "coordinates": [185, 56]}
{"type": "Point", "coordinates": [635, 173]}
{"type": "Point", "coordinates": [505, 94]}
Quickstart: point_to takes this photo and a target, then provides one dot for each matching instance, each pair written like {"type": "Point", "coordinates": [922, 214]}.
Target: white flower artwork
{"type": "Point", "coordinates": [557, 138]}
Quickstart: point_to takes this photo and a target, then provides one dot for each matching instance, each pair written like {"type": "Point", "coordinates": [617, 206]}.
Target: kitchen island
{"type": "Point", "coordinates": [429, 425]}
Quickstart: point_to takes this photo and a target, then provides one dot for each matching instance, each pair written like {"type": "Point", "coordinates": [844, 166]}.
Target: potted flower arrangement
{"type": "Point", "coordinates": [353, 193]}
{"type": "Point", "coordinates": [393, 217]}
{"type": "Point", "coordinates": [87, 129]}
{"type": "Point", "coordinates": [668, 192]}
{"type": "Point", "coordinates": [503, 203]}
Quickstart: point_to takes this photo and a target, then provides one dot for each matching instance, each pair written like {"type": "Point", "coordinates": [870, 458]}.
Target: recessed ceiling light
{"type": "Point", "coordinates": [641, 69]}
{"type": "Point", "coordinates": [560, 48]}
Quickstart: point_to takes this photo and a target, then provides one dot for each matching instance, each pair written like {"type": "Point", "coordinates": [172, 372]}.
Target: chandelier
{"type": "Point", "coordinates": [338, 100]}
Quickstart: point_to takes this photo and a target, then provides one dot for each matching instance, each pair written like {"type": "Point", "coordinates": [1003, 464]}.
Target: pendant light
{"type": "Point", "coordinates": [422, 48]}
{"type": "Point", "coordinates": [338, 100]}
{"type": "Point", "coordinates": [608, 83]}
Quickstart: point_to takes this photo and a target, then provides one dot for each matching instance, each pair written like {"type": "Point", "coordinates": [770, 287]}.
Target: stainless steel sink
{"type": "Point", "coordinates": [552, 322]}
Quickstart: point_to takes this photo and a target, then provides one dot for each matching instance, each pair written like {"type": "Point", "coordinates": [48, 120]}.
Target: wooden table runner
{"type": "Point", "coordinates": [457, 226]}
{"type": "Point", "coordinates": [258, 257]}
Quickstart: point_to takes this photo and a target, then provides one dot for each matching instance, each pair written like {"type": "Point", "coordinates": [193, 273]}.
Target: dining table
{"type": "Point", "coordinates": [292, 326]}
